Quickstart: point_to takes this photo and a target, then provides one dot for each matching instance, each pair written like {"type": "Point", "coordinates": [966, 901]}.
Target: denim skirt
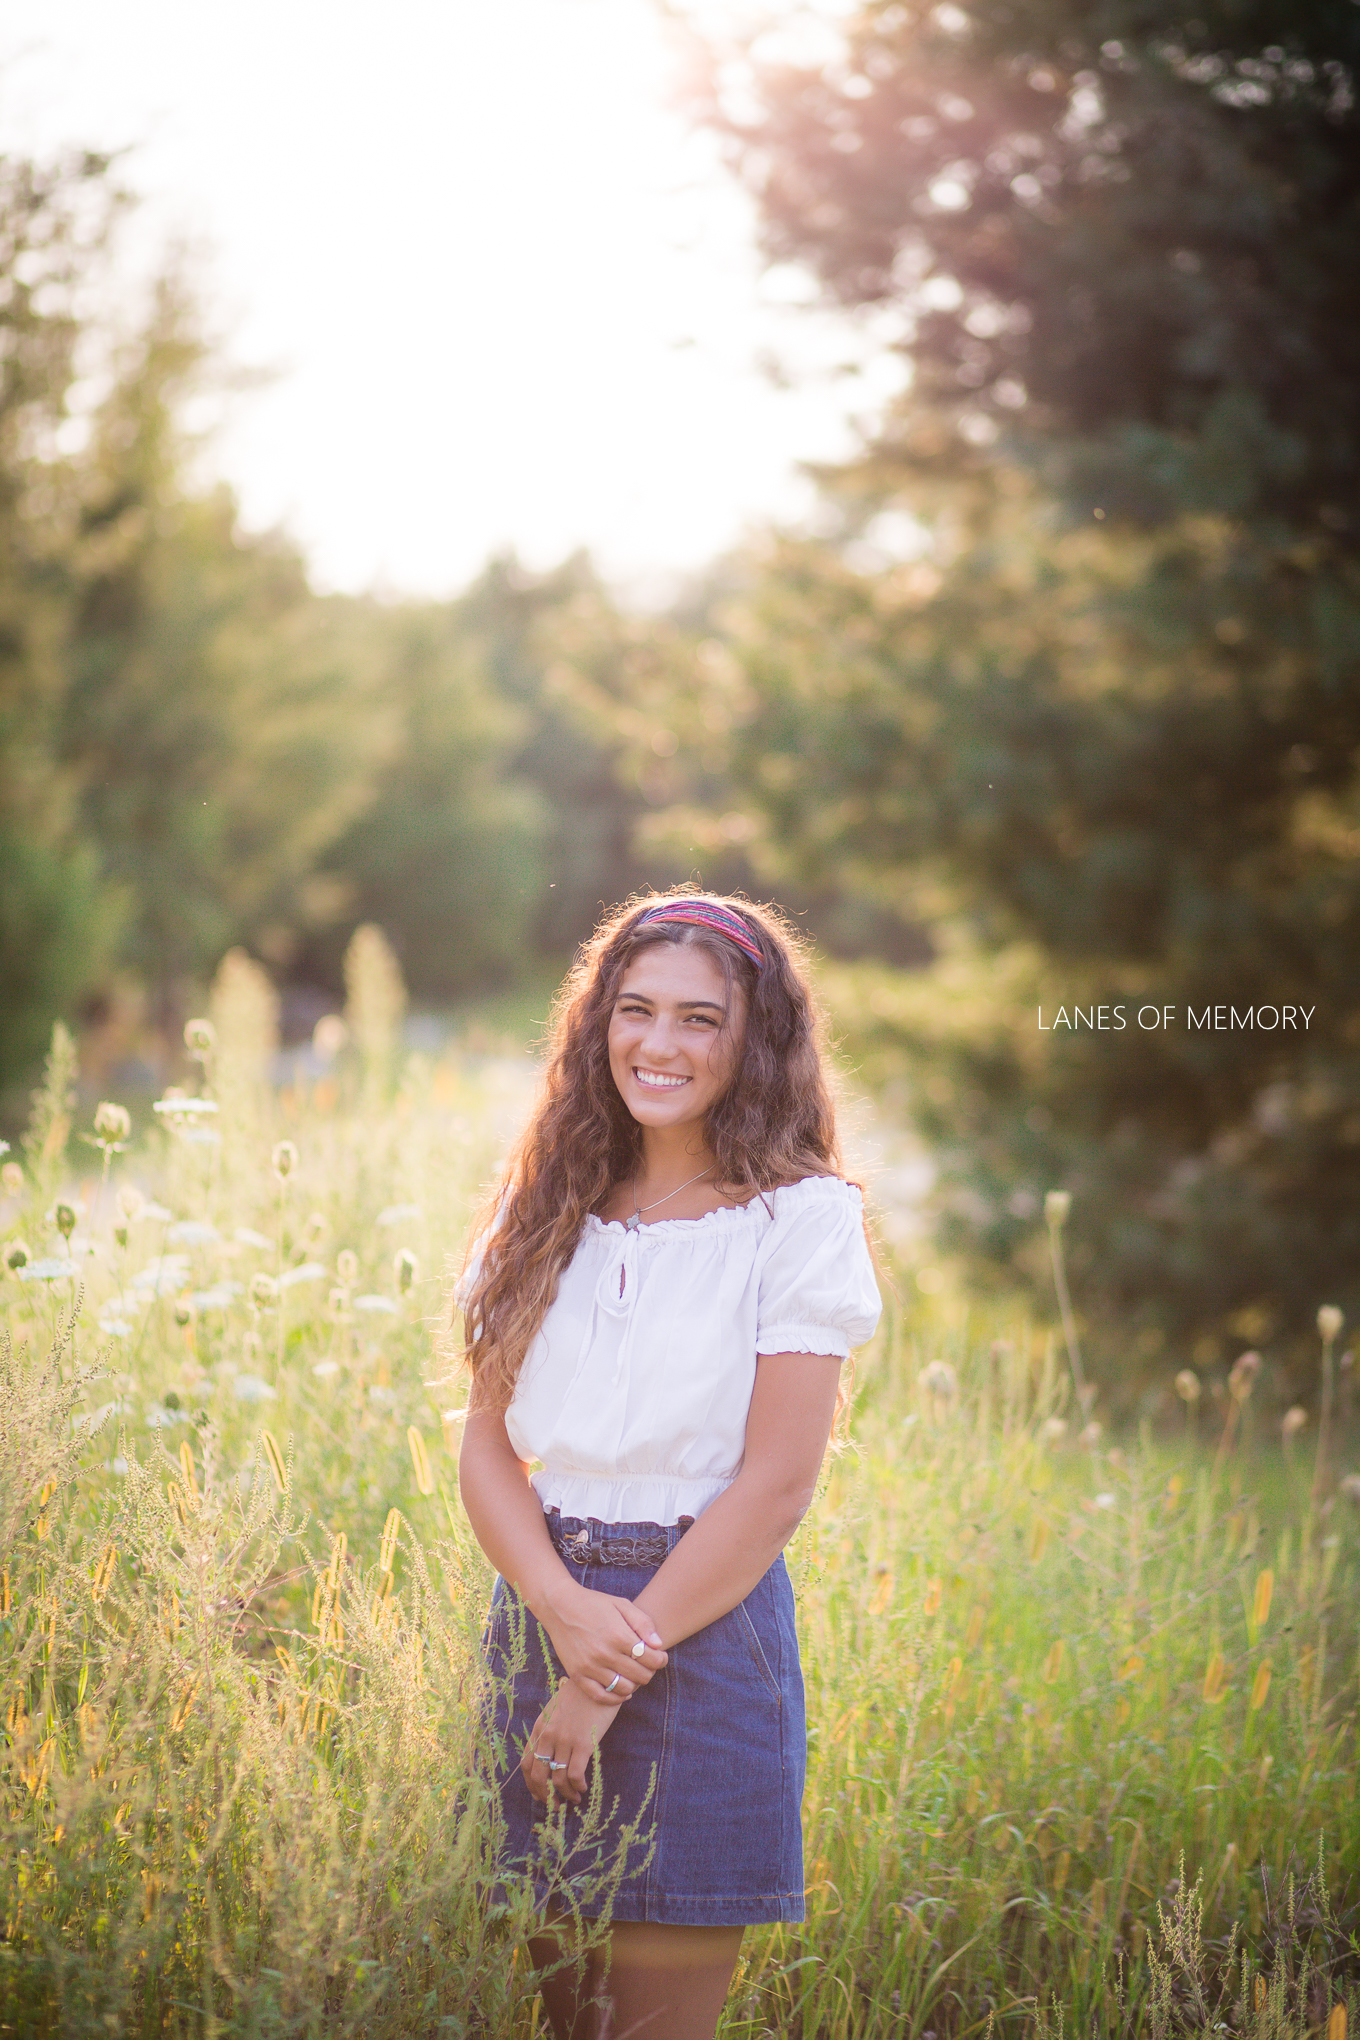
{"type": "Point", "coordinates": [693, 1814]}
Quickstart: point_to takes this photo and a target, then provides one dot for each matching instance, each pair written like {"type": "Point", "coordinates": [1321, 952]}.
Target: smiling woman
{"type": "Point", "coordinates": [675, 1378]}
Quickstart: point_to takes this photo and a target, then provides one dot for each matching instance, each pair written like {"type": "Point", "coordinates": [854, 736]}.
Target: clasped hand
{"type": "Point", "coordinates": [596, 1636]}
{"type": "Point", "coordinates": [562, 1741]}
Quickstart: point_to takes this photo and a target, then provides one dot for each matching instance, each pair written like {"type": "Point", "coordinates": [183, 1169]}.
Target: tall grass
{"type": "Point", "coordinates": [1083, 1719]}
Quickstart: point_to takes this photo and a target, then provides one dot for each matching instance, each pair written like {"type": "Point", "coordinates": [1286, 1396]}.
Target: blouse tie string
{"type": "Point", "coordinates": [617, 1287]}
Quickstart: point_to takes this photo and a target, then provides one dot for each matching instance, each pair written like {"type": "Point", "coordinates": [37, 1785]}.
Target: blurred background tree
{"type": "Point", "coordinates": [59, 915]}
{"type": "Point", "coordinates": [1104, 729]}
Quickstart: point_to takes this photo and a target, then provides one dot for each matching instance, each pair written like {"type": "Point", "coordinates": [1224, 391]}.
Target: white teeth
{"type": "Point", "coordinates": [654, 1081]}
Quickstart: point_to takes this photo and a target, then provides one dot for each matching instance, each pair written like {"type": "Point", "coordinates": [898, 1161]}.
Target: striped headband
{"type": "Point", "coordinates": [705, 914]}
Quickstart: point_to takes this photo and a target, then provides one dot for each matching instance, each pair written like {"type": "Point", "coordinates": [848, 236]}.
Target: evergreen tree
{"type": "Point", "coordinates": [1107, 731]}
{"type": "Point", "coordinates": [59, 916]}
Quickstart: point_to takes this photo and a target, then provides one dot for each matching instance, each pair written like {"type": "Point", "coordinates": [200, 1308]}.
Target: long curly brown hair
{"type": "Point", "coordinates": [774, 1124]}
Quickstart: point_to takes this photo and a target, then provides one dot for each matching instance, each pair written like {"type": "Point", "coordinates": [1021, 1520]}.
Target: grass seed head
{"type": "Point", "coordinates": [388, 1550]}
{"type": "Point", "coordinates": [406, 1268]}
{"type": "Point", "coordinates": [347, 1266]}
{"type": "Point", "coordinates": [1330, 1321]}
{"type": "Point", "coordinates": [1260, 1685]}
{"type": "Point", "coordinates": [1057, 1205]}
{"type": "Point", "coordinates": [284, 1159]}
{"type": "Point", "coordinates": [1260, 1606]}
{"type": "Point", "coordinates": [131, 1202]}
{"type": "Point", "coordinates": [1187, 1385]}
{"type": "Point", "coordinates": [420, 1460]}
{"type": "Point", "coordinates": [64, 1219]}
{"type": "Point", "coordinates": [275, 1458]}
{"type": "Point", "coordinates": [1293, 1421]}
{"type": "Point", "coordinates": [1215, 1677]}
{"type": "Point", "coordinates": [200, 1038]}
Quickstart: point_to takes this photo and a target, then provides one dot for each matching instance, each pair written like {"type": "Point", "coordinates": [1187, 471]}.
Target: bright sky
{"type": "Point", "coordinates": [508, 297]}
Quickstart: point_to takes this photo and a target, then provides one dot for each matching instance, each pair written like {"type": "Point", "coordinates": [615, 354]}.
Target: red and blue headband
{"type": "Point", "coordinates": [704, 914]}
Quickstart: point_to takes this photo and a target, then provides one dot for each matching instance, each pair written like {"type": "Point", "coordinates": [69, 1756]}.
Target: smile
{"type": "Point", "coordinates": [655, 1080]}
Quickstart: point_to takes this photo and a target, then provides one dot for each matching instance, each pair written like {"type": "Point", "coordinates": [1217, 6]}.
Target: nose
{"type": "Point", "coordinates": [658, 1039]}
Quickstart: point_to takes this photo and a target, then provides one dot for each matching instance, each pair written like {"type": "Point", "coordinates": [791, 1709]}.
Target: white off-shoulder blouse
{"type": "Point", "coordinates": [634, 1395]}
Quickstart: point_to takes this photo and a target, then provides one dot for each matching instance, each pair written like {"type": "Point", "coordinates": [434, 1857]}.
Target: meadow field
{"type": "Point", "coordinates": [1083, 1707]}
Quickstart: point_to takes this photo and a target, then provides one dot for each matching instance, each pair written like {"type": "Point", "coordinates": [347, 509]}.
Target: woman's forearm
{"type": "Point", "coordinates": [598, 1636]}
{"type": "Point", "coordinates": [727, 1551]}
{"type": "Point", "coordinates": [741, 1534]}
{"type": "Point", "coordinates": [507, 1517]}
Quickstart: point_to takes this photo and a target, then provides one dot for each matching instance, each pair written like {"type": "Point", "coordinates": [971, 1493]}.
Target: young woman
{"type": "Point", "coordinates": [657, 1313]}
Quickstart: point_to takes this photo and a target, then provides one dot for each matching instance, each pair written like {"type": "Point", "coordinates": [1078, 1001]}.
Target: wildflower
{"type": "Point", "coordinates": [939, 1379]}
{"type": "Point", "coordinates": [1187, 1385]}
{"type": "Point", "coordinates": [284, 1159]}
{"type": "Point", "coordinates": [1057, 1204]}
{"type": "Point", "coordinates": [347, 1265]}
{"type": "Point", "coordinates": [64, 1219]}
{"type": "Point", "coordinates": [1092, 1434]}
{"type": "Point", "coordinates": [16, 1256]}
{"type": "Point", "coordinates": [1053, 1428]}
{"type": "Point", "coordinates": [315, 1227]}
{"type": "Point", "coordinates": [263, 1290]}
{"type": "Point", "coordinates": [328, 1037]}
{"type": "Point", "coordinates": [1350, 1487]}
{"type": "Point", "coordinates": [1242, 1375]}
{"type": "Point", "coordinates": [1329, 1322]}
{"type": "Point", "coordinates": [1293, 1421]}
{"type": "Point", "coordinates": [12, 1179]}
{"type": "Point", "coordinates": [131, 1202]}
{"type": "Point", "coordinates": [112, 1124]}
{"type": "Point", "coordinates": [407, 1268]}
{"type": "Point", "coordinates": [200, 1038]}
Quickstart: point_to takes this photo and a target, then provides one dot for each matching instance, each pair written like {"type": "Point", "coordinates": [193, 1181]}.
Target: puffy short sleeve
{"type": "Point", "coordinates": [817, 1288]}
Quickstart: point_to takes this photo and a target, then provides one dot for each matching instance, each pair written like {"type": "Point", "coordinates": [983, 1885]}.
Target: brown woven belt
{"type": "Point", "coordinates": [632, 1551]}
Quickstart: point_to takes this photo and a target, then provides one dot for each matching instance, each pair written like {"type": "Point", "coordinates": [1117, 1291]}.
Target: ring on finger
{"type": "Point", "coordinates": [613, 1682]}
{"type": "Point", "coordinates": [638, 1648]}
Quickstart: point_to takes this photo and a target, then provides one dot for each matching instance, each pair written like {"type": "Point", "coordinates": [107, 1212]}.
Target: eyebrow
{"type": "Point", "coordinates": [686, 1005]}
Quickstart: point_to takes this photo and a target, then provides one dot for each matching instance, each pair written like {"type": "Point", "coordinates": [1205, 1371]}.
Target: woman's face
{"type": "Point", "coordinates": [675, 1035]}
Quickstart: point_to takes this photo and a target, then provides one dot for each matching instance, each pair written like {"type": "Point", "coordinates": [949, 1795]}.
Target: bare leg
{"type": "Point", "coordinates": [572, 1997]}
{"type": "Point", "coordinates": [667, 1983]}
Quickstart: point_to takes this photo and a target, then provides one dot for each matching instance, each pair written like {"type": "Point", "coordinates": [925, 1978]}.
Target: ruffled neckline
{"type": "Point", "coordinates": [731, 1214]}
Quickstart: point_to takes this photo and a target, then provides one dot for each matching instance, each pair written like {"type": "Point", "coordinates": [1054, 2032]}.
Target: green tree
{"type": "Point", "coordinates": [446, 855]}
{"type": "Point", "coordinates": [59, 916]}
{"type": "Point", "coordinates": [219, 726]}
{"type": "Point", "coordinates": [1106, 732]}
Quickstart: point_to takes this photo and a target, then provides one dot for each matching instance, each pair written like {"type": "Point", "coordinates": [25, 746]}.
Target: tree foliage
{"type": "Point", "coordinates": [1106, 730]}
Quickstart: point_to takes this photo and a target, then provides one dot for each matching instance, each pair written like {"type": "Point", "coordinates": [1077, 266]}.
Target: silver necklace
{"type": "Point", "coordinates": [631, 1224]}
